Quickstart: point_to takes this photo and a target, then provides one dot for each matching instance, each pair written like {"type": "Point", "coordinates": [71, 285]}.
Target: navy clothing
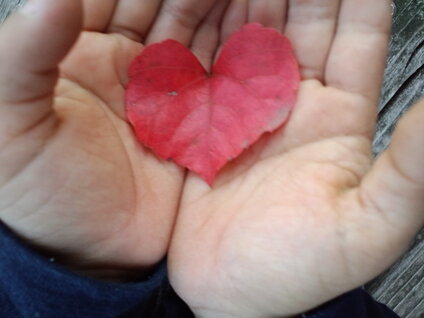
{"type": "Point", "coordinates": [33, 286]}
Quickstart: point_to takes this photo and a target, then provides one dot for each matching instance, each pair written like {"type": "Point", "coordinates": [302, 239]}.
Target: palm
{"type": "Point", "coordinates": [91, 174]}
{"type": "Point", "coordinates": [277, 210]}
{"type": "Point", "coordinates": [73, 179]}
{"type": "Point", "coordinates": [84, 189]}
{"type": "Point", "coordinates": [280, 218]}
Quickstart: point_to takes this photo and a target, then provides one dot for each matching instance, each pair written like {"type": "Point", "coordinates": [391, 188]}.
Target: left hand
{"type": "Point", "coordinates": [300, 218]}
{"type": "Point", "coordinates": [74, 181]}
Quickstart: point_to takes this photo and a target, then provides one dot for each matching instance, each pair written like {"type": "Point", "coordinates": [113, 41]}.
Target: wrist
{"type": "Point", "coordinates": [214, 314]}
{"type": "Point", "coordinates": [232, 316]}
{"type": "Point", "coordinates": [82, 264]}
{"type": "Point", "coordinates": [97, 270]}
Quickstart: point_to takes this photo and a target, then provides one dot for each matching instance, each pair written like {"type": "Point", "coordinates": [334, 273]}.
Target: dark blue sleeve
{"type": "Point", "coordinates": [31, 286]}
{"type": "Point", "coordinates": [355, 304]}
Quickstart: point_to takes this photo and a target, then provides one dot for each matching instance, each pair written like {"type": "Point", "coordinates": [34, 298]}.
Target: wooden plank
{"type": "Point", "coordinates": [402, 286]}
{"type": "Point", "coordinates": [417, 312]}
{"type": "Point", "coordinates": [403, 83]}
{"type": "Point", "coordinates": [7, 6]}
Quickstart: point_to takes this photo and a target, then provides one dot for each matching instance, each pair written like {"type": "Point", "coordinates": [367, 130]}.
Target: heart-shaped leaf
{"type": "Point", "coordinates": [203, 120]}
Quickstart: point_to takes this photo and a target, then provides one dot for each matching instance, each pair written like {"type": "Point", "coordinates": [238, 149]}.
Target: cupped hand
{"type": "Point", "coordinates": [304, 215]}
{"type": "Point", "coordinates": [74, 182]}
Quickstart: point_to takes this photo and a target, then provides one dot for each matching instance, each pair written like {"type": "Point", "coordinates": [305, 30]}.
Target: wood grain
{"type": "Point", "coordinates": [7, 6]}
{"type": "Point", "coordinates": [402, 286]}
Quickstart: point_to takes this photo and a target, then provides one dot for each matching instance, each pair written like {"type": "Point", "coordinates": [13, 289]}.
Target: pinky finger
{"type": "Point", "coordinates": [206, 42]}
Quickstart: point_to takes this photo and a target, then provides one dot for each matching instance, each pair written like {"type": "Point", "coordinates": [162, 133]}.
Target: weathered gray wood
{"type": "Point", "coordinates": [404, 76]}
{"type": "Point", "coordinates": [7, 6]}
{"type": "Point", "coordinates": [402, 286]}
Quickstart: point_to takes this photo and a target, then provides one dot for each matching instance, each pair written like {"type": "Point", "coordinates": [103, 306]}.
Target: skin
{"type": "Point", "coordinates": [300, 218]}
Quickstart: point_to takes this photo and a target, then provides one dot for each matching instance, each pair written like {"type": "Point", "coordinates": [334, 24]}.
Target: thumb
{"type": "Point", "coordinates": [388, 206]}
{"type": "Point", "coordinates": [395, 186]}
{"type": "Point", "coordinates": [32, 43]}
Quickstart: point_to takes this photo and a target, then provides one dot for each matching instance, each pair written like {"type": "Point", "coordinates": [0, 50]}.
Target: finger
{"type": "Point", "coordinates": [311, 27]}
{"type": "Point", "coordinates": [358, 55]}
{"type": "Point", "coordinates": [207, 39]}
{"type": "Point", "coordinates": [235, 17]}
{"type": "Point", "coordinates": [133, 18]}
{"type": "Point", "coordinates": [380, 218]}
{"type": "Point", "coordinates": [32, 43]}
{"type": "Point", "coordinates": [179, 19]}
{"type": "Point", "coordinates": [394, 189]}
{"type": "Point", "coordinates": [97, 14]}
{"type": "Point", "coordinates": [270, 13]}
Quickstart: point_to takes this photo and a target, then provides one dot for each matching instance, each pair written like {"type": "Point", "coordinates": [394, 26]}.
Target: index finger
{"type": "Point", "coordinates": [179, 20]}
{"type": "Point", "coordinates": [358, 55]}
{"type": "Point", "coordinates": [97, 14]}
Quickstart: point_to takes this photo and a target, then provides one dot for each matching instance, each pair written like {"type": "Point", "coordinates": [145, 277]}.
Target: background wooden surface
{"type": "Point", "coordinates": [402, 286]}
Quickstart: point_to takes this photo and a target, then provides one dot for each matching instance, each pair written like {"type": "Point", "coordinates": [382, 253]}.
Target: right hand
{"type": "Point", "coordinates": [305, 215]}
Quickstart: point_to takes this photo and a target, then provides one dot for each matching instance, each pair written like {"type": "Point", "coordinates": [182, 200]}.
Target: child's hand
{"type": "Point", "coordinates": [302, 216]}
{"type": "Point", "coordinates": [73, 180]}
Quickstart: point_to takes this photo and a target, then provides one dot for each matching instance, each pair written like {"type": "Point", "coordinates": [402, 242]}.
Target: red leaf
{"type": "Point", "coordinates": [201, 121]}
